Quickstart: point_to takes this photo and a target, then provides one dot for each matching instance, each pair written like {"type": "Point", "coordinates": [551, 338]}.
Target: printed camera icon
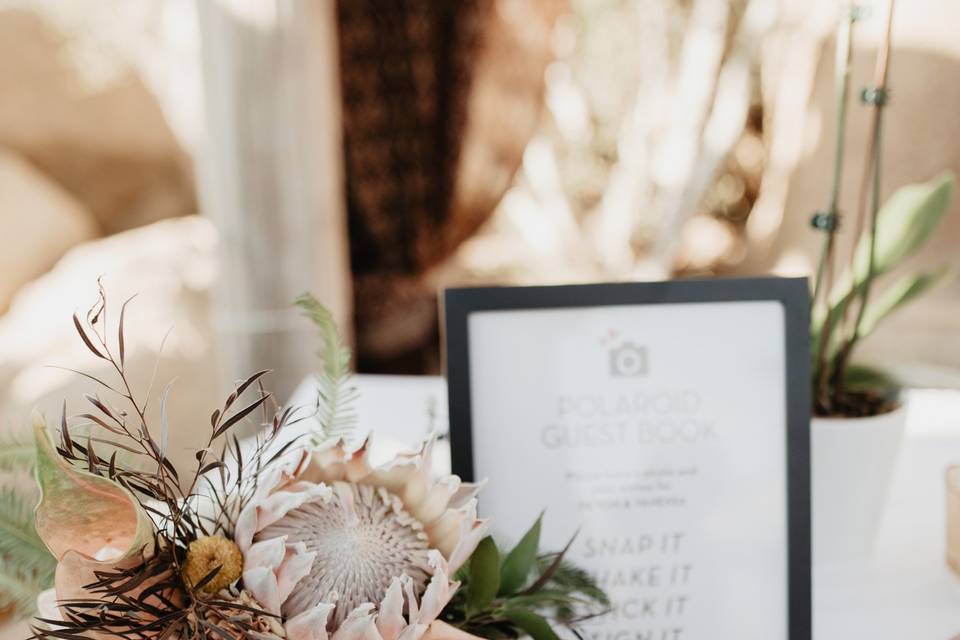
{"type": "Point", "coordinates": [628, 361]}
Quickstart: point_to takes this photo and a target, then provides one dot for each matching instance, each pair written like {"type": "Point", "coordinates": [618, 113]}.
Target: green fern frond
{"type": "Point", "coordinates": [16, 454]}
{"type": "Point", "coordinates": [336, 393]}
{"type": "Point", "coordinates": [20, 546]}
{"type": "Point", "coordinates": [19, 588]}
{"type": "Point", "coordinates": [26, 566]}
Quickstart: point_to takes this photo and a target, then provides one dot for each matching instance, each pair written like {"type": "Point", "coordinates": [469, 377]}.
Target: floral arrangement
{"type": "Point", "coordinates": [297, 538]}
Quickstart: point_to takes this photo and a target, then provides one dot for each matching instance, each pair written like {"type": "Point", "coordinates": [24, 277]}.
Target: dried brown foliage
{"type": "Point", "coordinates": [150, 599]}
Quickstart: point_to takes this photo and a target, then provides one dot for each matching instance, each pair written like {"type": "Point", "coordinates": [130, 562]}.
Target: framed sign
{"type": "Point", "coordinates": [666, 422]}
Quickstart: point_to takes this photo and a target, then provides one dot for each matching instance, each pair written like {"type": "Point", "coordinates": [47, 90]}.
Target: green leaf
{"type": "Point", "coordinates": [19, 588]}
{"type": "Point", "coordinates": [547, 571]}
{"type": "Point", "coordinates": [859, 377]}
{"type": "Point", "coordinates": [484, 576]}
{"type": "Point", "coordinates": [904, 224]}
{"type": "Point", "coordinates": [898, 294]}
{"type": "Point", "coordinates": [335, 393]}
{"type": "Point", "coordinates": [26, 567]}
{"type": "Point", "coordinates": [536, 625]}
{"type": "Point", "coordinates": [19, 541]}
{"type": "Point", "coordinates": [520, 561]}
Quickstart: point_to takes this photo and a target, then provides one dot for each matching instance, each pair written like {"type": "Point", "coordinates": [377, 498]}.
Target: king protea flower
{"type": "Point", "coordinates": [345, 551]}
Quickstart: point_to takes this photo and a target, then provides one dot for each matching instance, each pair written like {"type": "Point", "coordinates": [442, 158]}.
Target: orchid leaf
{"type": "Point", "coordinates": [904, 223]}
{"type": "Point", "coordinates": [898, 294]}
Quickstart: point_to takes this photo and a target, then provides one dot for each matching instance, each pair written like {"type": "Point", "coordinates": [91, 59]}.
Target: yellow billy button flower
{"type": "Point", "coordinates": [206, 554]}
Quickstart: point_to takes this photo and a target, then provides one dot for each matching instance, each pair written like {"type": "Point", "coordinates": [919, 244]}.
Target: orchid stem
{"type": "Point", "coordinates": [870, 190]}
{"type": "Point", "coordinates": [825, 268]}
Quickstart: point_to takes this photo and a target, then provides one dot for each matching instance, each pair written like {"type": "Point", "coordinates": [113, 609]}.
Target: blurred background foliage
{"type": "Point", "coordinates": [221, 157]}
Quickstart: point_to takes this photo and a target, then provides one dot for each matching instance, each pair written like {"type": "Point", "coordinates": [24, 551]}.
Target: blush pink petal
{"type": "Point", "coordinates": [264, 512]}
{"type": "Point", "coordinates": [413, 632]}
{"type": "Point", "coordinates": [458, 532]}
{"type": "Point", "coordinates": [390, 620]}
{"type": "Point", "coordinates": [359, 625]}
{"type": "Point", "coordinates": [443, 631]}
{"type": "Point", "coordinates": [435, 501]}
{"type": "Point", "coordinates": [311, 624]}
{"type": "Point", "coordinates": [295, 567]}
{"type": "Point", "coordinates": [439, 591]}
{"type": "Point", "coordinates": [331, 462]}
{"type": "Point", "coordinates": [272, 568]}
{"type": "Point", "coordinates": [261, 582]}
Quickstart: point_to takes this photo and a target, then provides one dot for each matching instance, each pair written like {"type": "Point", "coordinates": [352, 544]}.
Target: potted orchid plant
{"type": "Point", "coordinates": [858, 412]}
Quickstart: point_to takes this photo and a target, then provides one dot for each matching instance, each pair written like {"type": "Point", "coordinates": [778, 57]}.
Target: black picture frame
{"type": "Point", "coordinates": [792, 293]}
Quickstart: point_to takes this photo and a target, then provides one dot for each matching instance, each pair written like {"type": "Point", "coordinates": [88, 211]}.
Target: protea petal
{"type": "Point", "coordinates": [311, 624]}
{"type": "Point", "coordinates": [272, 568]}
{"type": "Point", "coordinates": [472, 532]}
{"type": "Point", "coordinates": [442, 631]}
{"type": "Point", "coordinates": [457, 533]}
{"type": "Point", "coordinates": [359, 625]}
{"type": "Point", "coordinates": [438, 593]}
{"type": "Point", "coordinates": [435, 501]}
{"type": "Point", "coordinates": [261, 513]}
{"type": "Point", "coordinates": [414, 632]}
{"type": "Point", "coordinates": [390, 620]}
{"type": "Point", "coordinates": [261, 582]}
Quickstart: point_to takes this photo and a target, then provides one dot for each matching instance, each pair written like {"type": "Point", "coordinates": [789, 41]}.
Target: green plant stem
{"type": "Point", "coordinates": [825, 268]}
{"type": "Point", "coordinates": [869, 191]}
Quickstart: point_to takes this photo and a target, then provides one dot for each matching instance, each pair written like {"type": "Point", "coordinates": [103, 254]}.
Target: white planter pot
{"type": "Point", "coordinates": [852, 463]}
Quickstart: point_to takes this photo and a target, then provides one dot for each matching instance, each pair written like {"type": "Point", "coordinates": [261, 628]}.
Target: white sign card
{"type": "Point", "coordinates": [668, 423]}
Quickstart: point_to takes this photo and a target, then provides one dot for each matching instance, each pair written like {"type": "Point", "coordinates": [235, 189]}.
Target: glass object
{"type": "Point", "coordinates": [953, 517]}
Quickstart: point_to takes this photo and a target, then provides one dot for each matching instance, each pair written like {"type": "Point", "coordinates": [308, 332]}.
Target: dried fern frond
{"type": "Point", "coordinates": [336, 393]}
{"type": "Point", "coordinates": [113, 440]}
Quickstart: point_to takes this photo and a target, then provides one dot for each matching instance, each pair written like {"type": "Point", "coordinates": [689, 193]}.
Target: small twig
{"type": "Point", "coordinates": [869, 192]}
{"type": "Point", "coordinates": [825, 269]}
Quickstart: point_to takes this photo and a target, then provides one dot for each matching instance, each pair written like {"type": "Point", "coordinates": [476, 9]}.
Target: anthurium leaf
{"type": "Point", "coordinates": [484, 576]}
{"type": "Point", "coordinates": [896, 295]}
{"type": "Point", "coordinates": [535, 625]}
{"type": "Point", "coordinates": [81, 512]}
{"type": "Point", "coordinates": [520, 561]}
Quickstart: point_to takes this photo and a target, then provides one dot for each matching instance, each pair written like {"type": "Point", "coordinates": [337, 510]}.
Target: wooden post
{"type": "Point", "coordinates": [271, 177]}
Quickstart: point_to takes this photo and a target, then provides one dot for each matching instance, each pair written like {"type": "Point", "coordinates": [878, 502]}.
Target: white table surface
{"type": "Point", "coordinates": [905, 592]}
